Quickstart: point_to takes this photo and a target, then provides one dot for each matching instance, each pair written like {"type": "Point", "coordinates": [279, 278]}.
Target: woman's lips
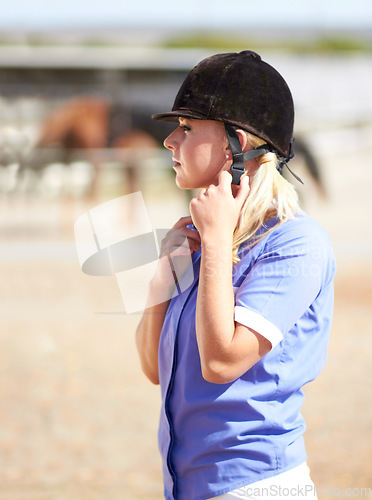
{"type": "Point", "coordinates": [176, 163]}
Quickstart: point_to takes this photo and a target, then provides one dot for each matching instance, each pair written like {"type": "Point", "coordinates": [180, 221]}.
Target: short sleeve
{"type": "Point", "coordinates": [295, 264]}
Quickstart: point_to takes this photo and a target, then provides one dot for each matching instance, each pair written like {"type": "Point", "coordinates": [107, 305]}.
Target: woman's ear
{"type": "Point", "coordinates": [243, 139]}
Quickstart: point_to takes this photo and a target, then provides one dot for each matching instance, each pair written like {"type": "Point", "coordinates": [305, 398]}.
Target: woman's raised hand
{"type": "Point", "coordinates": [177, 248]}
{"type": "Point", "coordinates": [180, 240]}
{"type": "Point", "coordinates": [215, 211]}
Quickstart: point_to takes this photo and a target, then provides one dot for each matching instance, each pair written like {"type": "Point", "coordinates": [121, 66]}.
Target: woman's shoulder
{"type": "Point", "coordinates": [301, 236]}
{"type": "Point", "coordinates": [301, 227]}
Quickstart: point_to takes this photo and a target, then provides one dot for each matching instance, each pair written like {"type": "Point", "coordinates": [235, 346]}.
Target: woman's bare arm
{"type": "Point", "coordinates": [148, 335]}
{"type": "Point", "coordinates": [227, 349]}
{"type": "Point", "coordinates": [179, 243]}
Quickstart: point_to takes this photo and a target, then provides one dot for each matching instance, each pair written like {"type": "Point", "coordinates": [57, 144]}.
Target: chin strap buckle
{"type": "Point", "coordinates": [239, 158]}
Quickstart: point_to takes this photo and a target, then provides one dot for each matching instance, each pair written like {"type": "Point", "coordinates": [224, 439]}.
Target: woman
{"type": "Point", "coordinates": [232, 351]}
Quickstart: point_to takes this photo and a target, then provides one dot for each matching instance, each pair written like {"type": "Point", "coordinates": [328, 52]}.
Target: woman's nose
{"type": "Point", "coordinates": [170, 142]}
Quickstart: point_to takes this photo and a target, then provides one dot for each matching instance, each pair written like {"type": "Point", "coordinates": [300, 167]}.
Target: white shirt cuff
{"type": "Point", "coordinates": [259, 324]}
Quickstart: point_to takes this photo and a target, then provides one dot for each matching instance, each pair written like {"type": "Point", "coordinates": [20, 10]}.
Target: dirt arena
{"type": "Point", "coordinates": [78, 418]}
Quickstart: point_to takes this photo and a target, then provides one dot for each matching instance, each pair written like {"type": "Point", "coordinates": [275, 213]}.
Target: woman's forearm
{"type": "Point", "coordinates": [161, 289]}
{"type": "Point", "coordinates": [148, 335]}
{"type": "Point", "coordinates": [215, 306]}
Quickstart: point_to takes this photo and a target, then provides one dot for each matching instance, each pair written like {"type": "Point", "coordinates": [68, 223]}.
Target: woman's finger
{"type": "Point", "coordinates": [183, 233]}
{"type": "Point", "coordinates": [191, 234]}
{"type": "Point", "coordinates": [179, 239]}
{"type": "Point", "coordinates": [243, 190]}
{"type": "Point", "coordinates": [202, 193]}
{"type": "Point", "coordinates": [183, 222]}
{"type": "Point", "coordinates": [225, 179]}
{"type": "Point", "coordinates": [180, 225]}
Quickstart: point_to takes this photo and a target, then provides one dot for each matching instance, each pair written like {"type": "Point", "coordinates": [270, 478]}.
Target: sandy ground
{"type": "Point", "coordinates": [78, 420]}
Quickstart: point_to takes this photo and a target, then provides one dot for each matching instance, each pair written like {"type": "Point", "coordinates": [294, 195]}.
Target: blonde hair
{"type": "Point", "coordinates": [270, 195]}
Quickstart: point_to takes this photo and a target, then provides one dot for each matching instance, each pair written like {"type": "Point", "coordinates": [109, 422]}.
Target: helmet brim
{"type": "Point", "coordinates": [172, 116]}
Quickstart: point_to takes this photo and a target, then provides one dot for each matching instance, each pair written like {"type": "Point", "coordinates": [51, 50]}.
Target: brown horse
{"type": "Point", "coordinates": [92, 124]}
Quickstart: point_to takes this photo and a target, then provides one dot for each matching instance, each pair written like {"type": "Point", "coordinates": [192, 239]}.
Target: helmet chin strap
{"type": "Point", "coordinates": [239, 158]}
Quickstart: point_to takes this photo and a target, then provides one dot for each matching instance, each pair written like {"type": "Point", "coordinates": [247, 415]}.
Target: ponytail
{"type": "Point", "coordinates": [270, 195]}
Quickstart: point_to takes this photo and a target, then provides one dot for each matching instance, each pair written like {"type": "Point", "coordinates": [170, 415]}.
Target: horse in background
{"type": "Point", "coordinates": [95, 125]}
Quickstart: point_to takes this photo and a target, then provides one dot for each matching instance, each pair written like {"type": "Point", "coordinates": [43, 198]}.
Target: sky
{"type": "Point", "coordinates": [70, 14]}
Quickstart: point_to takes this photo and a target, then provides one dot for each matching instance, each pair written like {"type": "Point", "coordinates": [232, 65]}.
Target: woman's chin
{"type": "Point", "coordinates": [182, 183]}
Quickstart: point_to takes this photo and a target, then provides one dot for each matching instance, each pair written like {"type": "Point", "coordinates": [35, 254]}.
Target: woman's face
{"type": "Point", "coordinates": [199, 150]}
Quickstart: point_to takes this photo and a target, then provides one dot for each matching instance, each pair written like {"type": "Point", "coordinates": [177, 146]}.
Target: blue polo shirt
{"type": "Point", "coordinates": [214, 438]}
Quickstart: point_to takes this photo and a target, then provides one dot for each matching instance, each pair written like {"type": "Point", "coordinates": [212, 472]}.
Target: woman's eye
{"type": "Point", "coordinates": [185, 128]}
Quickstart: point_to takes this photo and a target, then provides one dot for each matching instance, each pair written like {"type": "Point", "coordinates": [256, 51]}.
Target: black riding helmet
{"type": "Point", "coordinates": [242, 91]}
